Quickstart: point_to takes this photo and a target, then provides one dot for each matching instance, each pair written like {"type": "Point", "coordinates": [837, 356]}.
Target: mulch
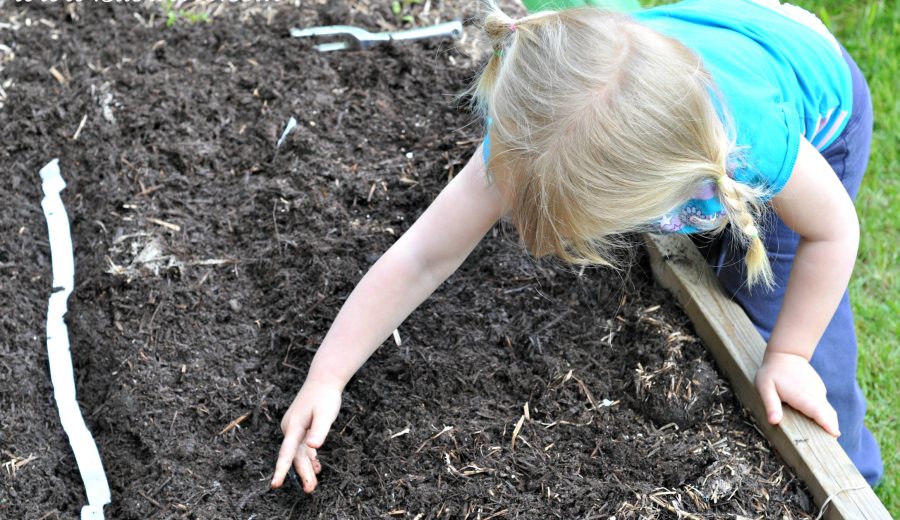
{"type": "Point", "coordinates": [210, 264]}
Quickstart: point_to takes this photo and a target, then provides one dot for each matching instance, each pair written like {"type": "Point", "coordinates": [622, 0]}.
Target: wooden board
{"type": "Point", "coordinates": [738, 349]}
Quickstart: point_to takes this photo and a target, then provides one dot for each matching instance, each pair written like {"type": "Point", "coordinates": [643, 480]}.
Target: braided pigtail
{"type": "Point", "coordinates": [743, 206]}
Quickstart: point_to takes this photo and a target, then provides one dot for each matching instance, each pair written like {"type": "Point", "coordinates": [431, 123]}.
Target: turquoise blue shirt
{"type": "Point", "coordinates": [781, 76]}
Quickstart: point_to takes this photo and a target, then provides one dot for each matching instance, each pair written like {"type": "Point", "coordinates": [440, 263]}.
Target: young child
{"type": "Point", "coordinates": [687, 118]}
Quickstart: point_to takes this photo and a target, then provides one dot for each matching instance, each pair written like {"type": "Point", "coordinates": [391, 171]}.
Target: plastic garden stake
{"type": "Point", "coordinates": [558, 5]}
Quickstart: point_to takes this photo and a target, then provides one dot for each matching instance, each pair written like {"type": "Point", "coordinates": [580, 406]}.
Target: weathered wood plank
{"type": "Point", "coordinates": [738, 349]}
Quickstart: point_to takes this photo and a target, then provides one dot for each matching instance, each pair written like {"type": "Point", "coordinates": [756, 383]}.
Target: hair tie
{"type": "Point", "coordinates": [512, 26]}
{"type": "Point", "coordinates": [498, 53]}
{"type": "Point", "coordinates": [751, 231]}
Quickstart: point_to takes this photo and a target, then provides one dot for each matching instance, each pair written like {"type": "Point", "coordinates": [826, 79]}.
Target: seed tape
{"type": "Point", "coordinates": [61, 371]}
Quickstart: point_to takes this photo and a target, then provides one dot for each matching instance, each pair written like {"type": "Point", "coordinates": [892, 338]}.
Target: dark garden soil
{"type": "Point", "coordinates": [209, 266]}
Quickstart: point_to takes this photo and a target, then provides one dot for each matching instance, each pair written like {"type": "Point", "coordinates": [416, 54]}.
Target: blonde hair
{"type": "Point", "coordinates": [600, 125]}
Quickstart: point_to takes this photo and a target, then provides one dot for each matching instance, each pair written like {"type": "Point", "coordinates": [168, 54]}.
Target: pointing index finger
{"type": "Point", "coordinates": [286, 454]}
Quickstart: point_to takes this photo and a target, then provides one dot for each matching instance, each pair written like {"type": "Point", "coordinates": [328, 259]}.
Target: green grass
{"type": "Point", "coordinates": [173, 12]}
{"type": "Point", "coordinates": [870, 30]}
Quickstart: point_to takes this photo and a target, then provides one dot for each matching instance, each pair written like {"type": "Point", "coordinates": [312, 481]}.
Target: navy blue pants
{"type": "Point", "coordinates": [835, 356]}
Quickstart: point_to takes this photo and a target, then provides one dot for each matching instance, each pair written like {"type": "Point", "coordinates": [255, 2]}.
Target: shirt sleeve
{"type": "Point", "coordinates": [769, 144]}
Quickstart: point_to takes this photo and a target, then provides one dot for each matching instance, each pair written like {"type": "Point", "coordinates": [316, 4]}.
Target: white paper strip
{"type": "Point", "coordinates": [61, 372]}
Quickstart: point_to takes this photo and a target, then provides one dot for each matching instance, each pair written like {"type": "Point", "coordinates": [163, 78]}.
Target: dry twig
{"type": "Point", "coordinates": [234, 424]}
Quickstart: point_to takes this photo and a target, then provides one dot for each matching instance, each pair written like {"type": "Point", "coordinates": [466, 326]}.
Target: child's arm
{"type": "Point", "coordinates": [815, 204]}
{"type": "Point", "coordinates": [429, 252]}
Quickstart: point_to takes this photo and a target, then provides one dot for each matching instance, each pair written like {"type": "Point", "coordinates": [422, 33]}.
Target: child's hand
{"type": "Point", "coordinates": [305, 425]}
{"type": "Point", "coordinates": [791, 379]}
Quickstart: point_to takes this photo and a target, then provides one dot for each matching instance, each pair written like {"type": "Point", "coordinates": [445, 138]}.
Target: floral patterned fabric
{"type": "Point", "coordinates": [704, 212]}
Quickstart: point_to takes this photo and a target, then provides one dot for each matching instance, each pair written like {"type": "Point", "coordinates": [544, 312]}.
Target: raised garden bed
{"type": "Point", "coordinates": [209, 266]}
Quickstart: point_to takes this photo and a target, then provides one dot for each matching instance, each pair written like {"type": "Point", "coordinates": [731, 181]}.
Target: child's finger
{"type": "Point", "coordinates": [819, 411]}
{"type": "Point", "coordinates": [305, 470]}
{"type": "Point", "coordinates": [826, 417]}
{"type": "Point", "coordinates": [286, 455]}
{"type": "Point", "coordinates": [314, 457]}
{"type": "Point", "coordinates": [772, 401]}
{"type": "Point", "coordinates": [318, 430]}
